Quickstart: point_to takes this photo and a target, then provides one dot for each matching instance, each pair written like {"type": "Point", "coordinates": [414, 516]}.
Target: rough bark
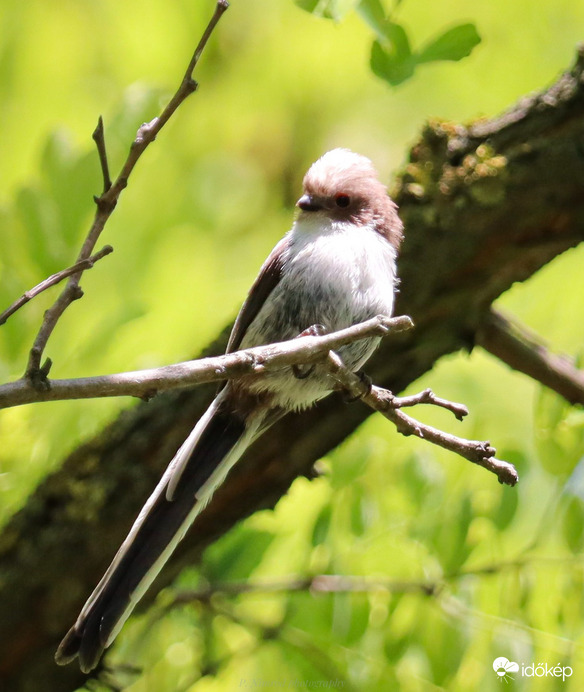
{"type": "Point", "coordinates": [484, 206]}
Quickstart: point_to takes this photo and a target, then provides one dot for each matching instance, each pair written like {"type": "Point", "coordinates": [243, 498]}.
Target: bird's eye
{"type": "Point", "coordinates": [342, 200]}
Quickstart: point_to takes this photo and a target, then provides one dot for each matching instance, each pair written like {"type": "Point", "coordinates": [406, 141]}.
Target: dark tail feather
{"type": "Point", "coordinates": [155, 534]}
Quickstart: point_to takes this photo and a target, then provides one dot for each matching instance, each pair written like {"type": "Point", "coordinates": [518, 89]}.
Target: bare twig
{"type": "Point", "coordinates": [319, 584]}
{"type": "Point", "coordinates": [347, 583]}
{"type": "Point", "coordinates": [106, 203]}
{"type": "Point", "coordinates": [99, 139]}
{"type": "Point", "coordinates": [147, 383]}
{"type": "Point", "coordinates": [523, 351]}
{"type": "Point", "coordinates": [428, 397]}
{"type": "Point", "coordinates": [382, 400]}
{"type": "Point", "coordinates": [52, 280]}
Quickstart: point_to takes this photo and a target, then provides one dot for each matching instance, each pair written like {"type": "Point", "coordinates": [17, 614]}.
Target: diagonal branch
{"type": "Point", "coordinates": [54, 279]}
{"type": "Point", "coordinates": [106, 203]}
{"type": "Point", "coordinates": [525, 352]}
{"type": "Point", "coordinates": [388, 405]}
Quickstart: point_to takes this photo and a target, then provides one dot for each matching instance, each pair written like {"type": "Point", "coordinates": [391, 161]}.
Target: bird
{"type": "Point", "coordinates": [336, 267]}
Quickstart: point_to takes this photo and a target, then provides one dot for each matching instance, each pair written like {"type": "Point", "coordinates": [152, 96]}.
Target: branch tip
{"type": "Point", "coordinates": [387, 324]}
{"type": "Point", "coordinates": [46, 368]}
{"type": "Point", "coordinates": [384, 401]}
{"type": "Point", "coordinates": [98, 132]}
{"type": "Point", "coordinates": [99, 139]}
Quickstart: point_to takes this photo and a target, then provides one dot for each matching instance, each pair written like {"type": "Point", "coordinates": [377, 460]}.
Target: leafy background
{"type": "Point", "coordinates": [279, 86]}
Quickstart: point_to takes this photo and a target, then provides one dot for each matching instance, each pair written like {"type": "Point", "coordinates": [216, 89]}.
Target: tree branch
{"type": "Point", "coordinates": [523, 351]}
{"type": "Point", "coordinates": [53, 280]}
{"type": "Point", "coordinates": [106, 203]}
{"type": "Point", "coordinates": [348, 583]}
{"type": "Point", "coordinates": [304, 350]}
{"type": "Point", "coordinates": [99, 139]}
{"type": "Point", "coordinates": [388, 405]}
{"type": "Point", "coordinates": [145, 384]}
{"type": "Point", "coordinates": [428, 397]}
{"type": "Point", "coordinates": [318, 584]}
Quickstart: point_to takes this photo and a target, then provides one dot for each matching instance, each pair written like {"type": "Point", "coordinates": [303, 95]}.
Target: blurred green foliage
{"type": "Point", "coordinates": [278, 87]}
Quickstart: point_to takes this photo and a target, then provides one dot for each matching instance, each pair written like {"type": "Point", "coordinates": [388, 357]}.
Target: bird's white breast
{"type": "Point", "coordinates": [335, 274]}
{"type": "Point", "coordinates": [355, 262]}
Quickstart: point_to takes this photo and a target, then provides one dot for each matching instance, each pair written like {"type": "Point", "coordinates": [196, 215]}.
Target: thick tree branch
{"type": "Point", "coordinates": [145, 384]}
{"type": "Point", "coordinates": [525, 352]}
{"type": "Point", "coordinates": [106, 203]}
{"type": "Point", "coordinates": [483, 206]}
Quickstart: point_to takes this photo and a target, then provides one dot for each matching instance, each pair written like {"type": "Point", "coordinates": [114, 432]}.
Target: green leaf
{"type": "Point", "coordinates": [397, 41]}
{"type": "Point", "coordinates": [236, 555]}
{"type": "Point", "coordinates": [322, 525]}
{"type": "Point", "coordinates": [453, 44]}
{"type": "Point", "coordinates": [372, 13]}
{"type": "Point", "coordinates": [309, 5]}
{"type": "Point", "coordinates": [450, 540]}
{"type": "Point", "coordinates": [359, 622]}
{"type": "Point", "coordinates": [392, 66]}
{"type": "Point", "coordinates": [329, 9]}
{"type": "Point", "coordinates": [507, 509]}
{"type": "Point", "coordinates": [391, 58]}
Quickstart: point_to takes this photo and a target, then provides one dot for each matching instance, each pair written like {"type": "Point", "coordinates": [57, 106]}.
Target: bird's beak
{"type": "Point", "coordinates": [308, 203]}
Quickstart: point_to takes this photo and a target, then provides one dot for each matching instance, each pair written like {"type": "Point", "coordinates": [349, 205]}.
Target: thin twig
{"type": "Point", "coordinates": [525, 352]}
{"type": "Point", "coordinates": [347, 583]}
{"type": "Point", "coordinates": [254, 361]}
{"type": "Point", "coordinates": [99, 139]}
{"type": "Point", "coordinates": [53, 280]}
{"type": "Point", "coordinates": [428, 397]}
{"type": "Point", "coordinates": [322, 583]}
{"type": "Point", "coordinates": [106, 203]}
{"type": "Point", "coordinates": [382, 400]}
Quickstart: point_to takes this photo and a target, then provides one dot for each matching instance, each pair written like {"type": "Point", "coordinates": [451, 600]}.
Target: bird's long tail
{"type": "Point", "coordinates": [200, 465]}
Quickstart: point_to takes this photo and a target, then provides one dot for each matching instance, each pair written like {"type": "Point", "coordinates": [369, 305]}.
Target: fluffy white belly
{"type": "Point", "coordinates": [336, 279]}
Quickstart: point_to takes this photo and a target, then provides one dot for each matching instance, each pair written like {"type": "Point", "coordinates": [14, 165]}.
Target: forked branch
{"type": "Point", "coordinates": [53, 280]}
{"type": "Point", "coordinates": [382, 400]}
{"type": "Point", "coordinates": [107, 201]}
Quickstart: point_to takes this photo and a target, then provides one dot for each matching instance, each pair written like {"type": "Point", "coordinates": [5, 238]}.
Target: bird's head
{"type": "Point", "coordinates": [343, 186]}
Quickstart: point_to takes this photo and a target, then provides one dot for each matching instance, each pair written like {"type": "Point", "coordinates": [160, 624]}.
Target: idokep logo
{"type": "Point", "coordinates": [504, 667]}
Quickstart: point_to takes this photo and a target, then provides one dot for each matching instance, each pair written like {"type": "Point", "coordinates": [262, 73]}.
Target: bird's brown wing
{"type": "Point", "coordinates": [268, 278]}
